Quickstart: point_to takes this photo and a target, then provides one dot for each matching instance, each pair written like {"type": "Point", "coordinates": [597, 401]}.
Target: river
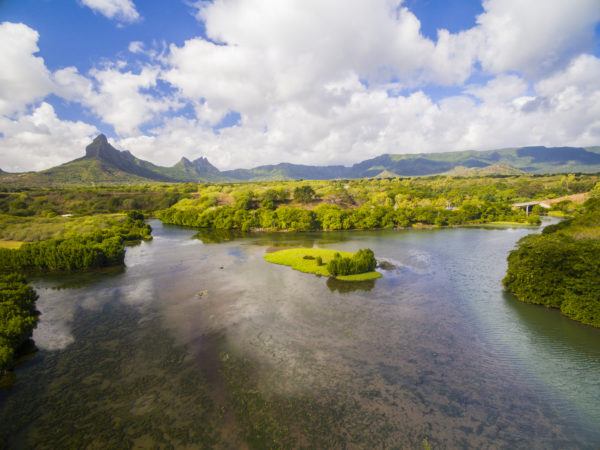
{"type": "Point", "coordinates": [200, 343]}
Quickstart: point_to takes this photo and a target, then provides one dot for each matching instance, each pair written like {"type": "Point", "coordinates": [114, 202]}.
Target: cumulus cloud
{"type": "Point", "coordinates": [534, 36]}
{"type": "Point", "coordinates": [24, 77]}
{"type": "Point", "coordinates": [118, 97]}
{"type": "Point", "coordinates": [136, 47]}
{"type": "Point", "coordinates": [120, 10]}
{"type": "Point", "coordinates": [562, 109]}
{"type": "Point", "coordinates": [39, 140]}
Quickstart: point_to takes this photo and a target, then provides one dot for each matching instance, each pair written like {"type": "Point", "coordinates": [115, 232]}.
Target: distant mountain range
{"type": "Point", "coordinates": [103, 163]}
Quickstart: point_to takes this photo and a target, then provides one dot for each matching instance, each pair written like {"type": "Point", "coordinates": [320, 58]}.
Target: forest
{"type": "Point", "coordinates": [560, 268]}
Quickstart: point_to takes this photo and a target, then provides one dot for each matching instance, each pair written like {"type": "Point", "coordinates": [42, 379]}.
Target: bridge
{"type": "Point", "coordinates": [547, 204]}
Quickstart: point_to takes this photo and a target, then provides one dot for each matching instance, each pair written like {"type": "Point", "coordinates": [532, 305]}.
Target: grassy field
{"type": "Point", "coordinates": [294, 258]}
{"type": "Point", "coordinates": [10, 244]}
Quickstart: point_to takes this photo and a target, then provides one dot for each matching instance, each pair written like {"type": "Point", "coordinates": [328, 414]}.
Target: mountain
{"type": "Point", "coordinates": [103, 163]}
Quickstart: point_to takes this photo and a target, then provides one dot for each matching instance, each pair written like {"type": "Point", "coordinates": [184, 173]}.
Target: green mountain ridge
{"type": "Point", "coordinates": [103, 163]}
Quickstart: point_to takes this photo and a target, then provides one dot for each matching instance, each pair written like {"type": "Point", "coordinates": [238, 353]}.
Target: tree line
{"type": "Point", "coordinates": [329, 217]}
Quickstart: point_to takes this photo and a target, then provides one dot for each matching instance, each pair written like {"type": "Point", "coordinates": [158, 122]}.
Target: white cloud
{"type": "Point", "coordinates": [121, 10]}
{"type": "Point", "coordinates": [119, 98]}
{"type": "Point", "coordinates": [23, 76]}
{"type": "Point", "coordinates": [267, 54]}
{"type": "Point", "coordinates": [534, 36]}
{"type": "Point", "coordinates": [562, 109]}
{"type": "Point", "coordinates": [136, 47]}
{"type": "Point", "coordinates": [40, 140]}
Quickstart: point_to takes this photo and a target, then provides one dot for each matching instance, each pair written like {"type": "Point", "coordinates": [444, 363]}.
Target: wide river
{"type": "Point", "coordinates": [200, 343]}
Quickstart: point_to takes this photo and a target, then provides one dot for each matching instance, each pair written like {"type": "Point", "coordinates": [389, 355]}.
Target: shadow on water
{"type": "Point", "coordinates": [344, 287]}
{"type": "Point", "coordinates": [273, 239]}
{"type": "Point", "coordinates": [549, 325]}
{"type": "Point", "coordinates": [556, 348]}
{"type": "Point", "coordinates": [79, 280]}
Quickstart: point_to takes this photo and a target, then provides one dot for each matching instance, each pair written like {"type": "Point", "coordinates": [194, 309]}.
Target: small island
{"type": "Point", "coordinates": [345, 266]}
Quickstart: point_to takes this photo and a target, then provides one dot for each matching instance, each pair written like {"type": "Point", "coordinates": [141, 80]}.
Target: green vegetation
{"type": "Point", "coordinates": [560, 268]}
{"type": "Point", "coordinates": [345, 266]}
{"type": "Point", "coordinates": [18, 317]}
{"type": "Point", "coordinates": [369, 203]}
{"type": "Point", "coordinates": [69, 244]}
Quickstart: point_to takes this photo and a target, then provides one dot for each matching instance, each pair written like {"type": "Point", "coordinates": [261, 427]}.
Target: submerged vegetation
{"type": "Point", "coordinates": [345, 266]}
{"type": "Point", "coordinates": [18, 317]}
{"type": "Point", "coordinates": [560, 268]}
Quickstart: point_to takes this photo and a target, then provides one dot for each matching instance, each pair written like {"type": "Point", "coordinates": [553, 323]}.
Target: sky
{"type": "Point", "coordinates": [251, 82]}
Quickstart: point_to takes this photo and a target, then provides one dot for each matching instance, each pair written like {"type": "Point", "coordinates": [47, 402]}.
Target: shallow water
{"type": "Point", "coordinates": [201, 343]}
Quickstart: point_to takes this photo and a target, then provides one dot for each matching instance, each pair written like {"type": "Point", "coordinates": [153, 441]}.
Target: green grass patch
{"type": "Point", "coordinates": [294, 258]}
{"type": "Point", "coordinates": [11, 244]}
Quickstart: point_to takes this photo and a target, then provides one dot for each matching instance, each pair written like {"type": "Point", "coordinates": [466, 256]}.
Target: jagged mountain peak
{"type": "Point", "coordinates": [101, 148]}
{"type": "Point", "coordinates": [202, 164]}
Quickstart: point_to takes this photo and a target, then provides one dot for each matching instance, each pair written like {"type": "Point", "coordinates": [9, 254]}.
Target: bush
{"type": "Point", "coordinates": [319, 261]}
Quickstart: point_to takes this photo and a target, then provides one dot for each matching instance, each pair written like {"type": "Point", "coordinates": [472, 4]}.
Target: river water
{"type": "Point", "coordinates": [200, 343]}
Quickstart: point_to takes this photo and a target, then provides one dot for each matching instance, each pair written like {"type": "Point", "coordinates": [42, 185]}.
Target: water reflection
{"type": "Point", "coordinates": [343, 287]}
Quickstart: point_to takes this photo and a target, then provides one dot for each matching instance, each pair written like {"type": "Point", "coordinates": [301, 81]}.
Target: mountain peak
{"type": "Point", "coordinates": [203, 165]}
{"type": "Point", "coordinates": [100, 148]}
{"type": "Point", "coordinates": [101, 138]}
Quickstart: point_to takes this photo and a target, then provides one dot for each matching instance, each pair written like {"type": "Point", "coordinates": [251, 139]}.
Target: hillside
{"type": "Point", "coordinates": [103, 163]}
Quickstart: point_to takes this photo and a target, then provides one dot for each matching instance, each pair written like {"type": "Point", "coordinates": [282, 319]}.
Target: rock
{"type": "Point", "coordinates": [386, 265]}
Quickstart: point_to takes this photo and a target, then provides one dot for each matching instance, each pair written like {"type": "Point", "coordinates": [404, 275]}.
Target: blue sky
{"type": "Point", "coordinates": [331, 81]}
